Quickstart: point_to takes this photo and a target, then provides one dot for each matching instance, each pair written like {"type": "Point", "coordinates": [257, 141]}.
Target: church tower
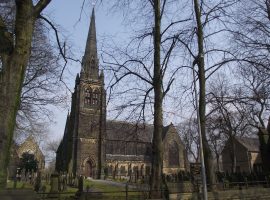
{"type": "Point", "coordinates": [90, 112]}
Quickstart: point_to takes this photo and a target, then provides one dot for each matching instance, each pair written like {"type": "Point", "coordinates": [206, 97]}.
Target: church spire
{"type": "Point", "coordinates": [90, 59]}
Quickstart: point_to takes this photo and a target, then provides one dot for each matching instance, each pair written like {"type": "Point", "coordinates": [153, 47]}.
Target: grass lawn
{"type": "Point", "coordinates": [101, 187]}
{"type": "Point", "coordinates": [20, 185]}
{"type": "Point", "coordinates": [109, 191]}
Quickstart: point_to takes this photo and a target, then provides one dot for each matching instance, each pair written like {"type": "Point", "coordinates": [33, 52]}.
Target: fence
{"type": "Point", "coordinates": [175, 191]}
{"type": "Point", "coordinates": [176, 185]}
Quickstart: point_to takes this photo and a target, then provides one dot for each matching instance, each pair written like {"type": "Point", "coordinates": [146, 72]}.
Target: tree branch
{"type": "Point", "coordinates": [40, 6]}
{"type": "Point", "coordinates": [6, 38]}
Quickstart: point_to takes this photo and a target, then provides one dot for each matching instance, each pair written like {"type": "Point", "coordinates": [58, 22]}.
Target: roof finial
{"type": "Point", "coordinates": [94, 3]}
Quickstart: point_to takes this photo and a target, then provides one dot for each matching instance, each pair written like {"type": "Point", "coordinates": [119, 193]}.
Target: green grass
{"type": "Point", "coordinates": [109, 191]}
{"type": "Point", "coordinates": [101, 187]}
{"type": "Point", "coordinates": [20, 185]}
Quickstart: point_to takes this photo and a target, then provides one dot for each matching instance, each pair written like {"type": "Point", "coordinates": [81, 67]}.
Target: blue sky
{"type": "Point", "coordinates": [66, 14]}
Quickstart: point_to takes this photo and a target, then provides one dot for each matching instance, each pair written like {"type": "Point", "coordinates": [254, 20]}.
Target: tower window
{"type": "Point", "coordinates": [95, 98]}
{"type": "Point", "coordinates": [87, 96]}
{"type": "Point", "coordinates": [91, 97]}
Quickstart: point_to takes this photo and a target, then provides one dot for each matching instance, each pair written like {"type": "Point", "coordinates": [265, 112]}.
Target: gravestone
{"type": "Point", "coordinates": [38, 182]}
{"type": "Point", "coordinates": [80, 186]}
{"type": "Point", "coordinates": [54, 186]}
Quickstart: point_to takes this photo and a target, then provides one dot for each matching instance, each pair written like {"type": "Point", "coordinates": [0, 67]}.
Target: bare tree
{"type": "Point", "coordinates": [254, 95]}
{"type": "Point", "coordinates": [14, 55]}
{"type": "Point", "coordinates": [205, 56]}
{"type": "Point", "coordinates": [41, 86]}
{"type": "Point", "coordinates": [146, 67]}
{"type": "Point", "coordinates": [189, 135]}
{"type": "Point", "coordinates": [230, 117]}
{"type": "Point", "coordinates": [251, 34]}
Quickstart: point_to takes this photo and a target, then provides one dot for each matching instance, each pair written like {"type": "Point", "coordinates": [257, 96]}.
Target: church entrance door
{"type": "Point", "coordinates": [89, 169]}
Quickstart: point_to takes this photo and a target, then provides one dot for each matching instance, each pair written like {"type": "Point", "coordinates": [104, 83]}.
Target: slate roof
{"type": "Point", "coordinates": [112, 157]}
{"type": "Point", "coordinates": [119, 130]}
{"type": "Point", "coordinates": [252, 144]}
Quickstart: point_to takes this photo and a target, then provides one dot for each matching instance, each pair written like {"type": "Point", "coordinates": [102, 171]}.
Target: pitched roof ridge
{"type": "Point", "coordinates": [129, 123]}
{"type": "Point", "coordinates": [251, 143]}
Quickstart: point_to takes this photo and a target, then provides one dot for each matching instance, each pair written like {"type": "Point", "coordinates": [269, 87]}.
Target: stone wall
{"type": "Point", "coordinates": [30, 146]}
{"type": "Point", "coordinates": [172, 139]}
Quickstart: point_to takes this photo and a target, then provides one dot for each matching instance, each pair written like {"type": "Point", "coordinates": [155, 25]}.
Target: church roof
{"type": "Point", "coordinates": [30, 144]}
{"type": "Point", "coordinates": [251, 144]}
{"type": "Point", "coordinates": [112, 157]}
{"type": "Point", "coordinates": [119, 130]}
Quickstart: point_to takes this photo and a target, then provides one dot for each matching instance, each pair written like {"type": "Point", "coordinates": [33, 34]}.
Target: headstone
{"type": "Point", "coordinates": [75, 181]}
{"type": "Point", "coordinates": [80, 186]}
{"type": "Point", "coordinates": [64, 182]}
{"type": "Point", "coordinates": [38, 182]}
{"type": "Point", "coordinates": [54, 186]}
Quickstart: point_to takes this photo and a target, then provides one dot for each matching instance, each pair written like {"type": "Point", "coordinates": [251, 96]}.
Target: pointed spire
{"type": "Point", "coordinates": [90, 59]}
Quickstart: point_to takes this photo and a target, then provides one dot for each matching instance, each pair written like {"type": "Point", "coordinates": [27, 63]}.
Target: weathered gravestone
{"type": "Point", "coordinates": [54, 186]}
{"type": "Point", "coordinates": [80, 186]}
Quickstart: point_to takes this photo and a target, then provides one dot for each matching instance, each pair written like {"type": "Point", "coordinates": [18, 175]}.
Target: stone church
{"type": "Point", "coordinates": [92, 145]}
{"type": "Point", "coordinates": [30, 146]}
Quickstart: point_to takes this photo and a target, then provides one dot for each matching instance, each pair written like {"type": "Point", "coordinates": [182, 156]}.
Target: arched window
{"type": "Point", "coordinates": [87, 96]}
{"type": "Point", "coordinates": [173, 155]}
{"type": "Point", "coordinates": [95, 98]}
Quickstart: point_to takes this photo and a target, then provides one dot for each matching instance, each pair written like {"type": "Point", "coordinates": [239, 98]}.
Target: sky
{"type": "Point", "coordinates": [66, 14]}
{"type": "Point", "coordinates": [74, 27]}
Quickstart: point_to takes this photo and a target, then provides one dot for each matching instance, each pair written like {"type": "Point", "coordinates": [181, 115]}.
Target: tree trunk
{"type": "Point", "coordinates": [233, 156]}
{"type": "Point", "coordinates": [14, 63]}
{"type": "Point", "coordinates": [217, 158]}
{"type": "Point", "coordinates": [157, 147]}
{"type": "Point", "coordinates": [208, 159]}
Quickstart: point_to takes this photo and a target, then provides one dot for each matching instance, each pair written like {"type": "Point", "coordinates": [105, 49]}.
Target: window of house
{"type": "Point", "coordinates": [173, 155]}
